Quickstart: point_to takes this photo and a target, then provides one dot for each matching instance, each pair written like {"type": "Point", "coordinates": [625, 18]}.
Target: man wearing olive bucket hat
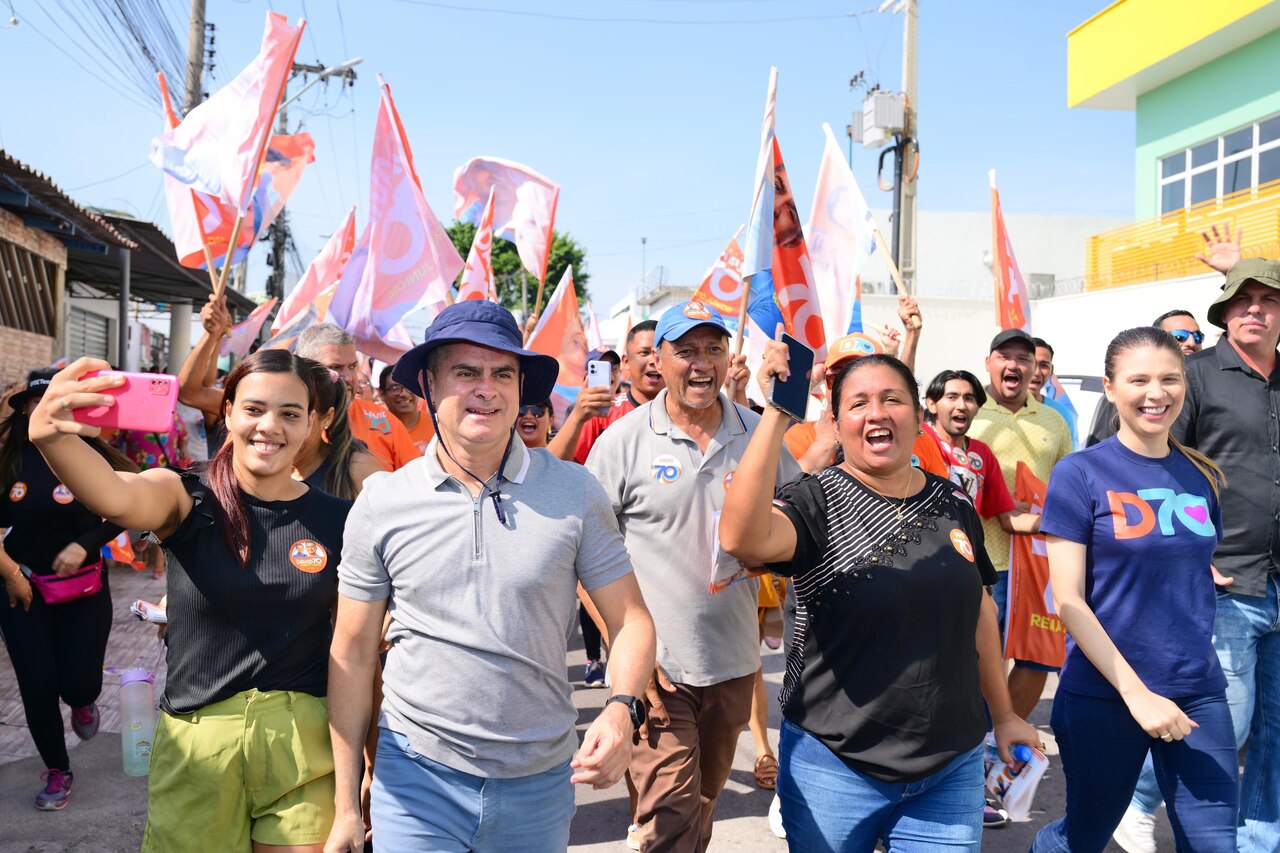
{"type": "Point", "coordinates": [477, 549]}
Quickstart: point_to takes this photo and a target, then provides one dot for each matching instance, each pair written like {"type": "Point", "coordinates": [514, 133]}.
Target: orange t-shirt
{"type": "Point", "coordinates": [382, 433]}
{"type": "Point", "coordinates": [925, 453]}
{"type": "Point", "coordinates": [423, 431]}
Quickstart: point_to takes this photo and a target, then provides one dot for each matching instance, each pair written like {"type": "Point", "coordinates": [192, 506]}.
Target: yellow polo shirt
{"type": "Point", "coordinates": [1036, 435]}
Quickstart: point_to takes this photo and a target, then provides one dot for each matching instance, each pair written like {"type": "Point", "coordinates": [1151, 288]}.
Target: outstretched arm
{"type": "Point", "coordinates": [154, 500]}
{"type": "Point", "coordinates": [751, 529]}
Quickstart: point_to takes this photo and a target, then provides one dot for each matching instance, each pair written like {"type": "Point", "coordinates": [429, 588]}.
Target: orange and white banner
{"type": "Point", "coordinates": [1013, 304]}
{"type": "Point", "coordinates": [722, 287]}
{"type": "Point", "coordinates": [1033, 630]}
{"type": "Point", "coordinates": [561, 335]}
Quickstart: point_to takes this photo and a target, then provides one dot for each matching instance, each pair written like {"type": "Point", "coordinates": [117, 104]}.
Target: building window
{"type": "Point", "coordinates": [1239, 160]}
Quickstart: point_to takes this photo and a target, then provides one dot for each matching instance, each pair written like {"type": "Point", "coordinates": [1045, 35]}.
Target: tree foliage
{"type": "Point", "coordinates": [507, 270]}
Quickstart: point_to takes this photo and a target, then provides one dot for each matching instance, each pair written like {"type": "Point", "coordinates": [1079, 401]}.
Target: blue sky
{"type": "Point", "coordinates": [650, 124]}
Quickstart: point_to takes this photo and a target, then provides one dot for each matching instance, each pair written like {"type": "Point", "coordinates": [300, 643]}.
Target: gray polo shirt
{"type": "Point", "coordinates": [475, 677]}
{"type": "Point", "coordinates": [668, 495]}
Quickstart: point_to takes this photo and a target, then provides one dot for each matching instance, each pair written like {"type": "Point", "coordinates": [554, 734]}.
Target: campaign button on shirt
{"type": "Point", "coordinates": [666, 468]}
{"type": "Point", "coordinates": [62, 494]}
{"type": "Point", "coordinates": [17, 491]}
{"type": "Point", "coordinates": [308, 555]}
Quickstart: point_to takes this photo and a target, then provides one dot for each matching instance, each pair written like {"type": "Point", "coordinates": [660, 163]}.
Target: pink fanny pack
{"type": "Point", "coordinates": [59, 590]}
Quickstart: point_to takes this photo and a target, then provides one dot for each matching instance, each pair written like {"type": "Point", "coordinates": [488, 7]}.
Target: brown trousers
{"type": "Point", "coordinates": [680, 769]}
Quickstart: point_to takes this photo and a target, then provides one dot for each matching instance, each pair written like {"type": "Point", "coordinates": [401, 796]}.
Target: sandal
{"type": "Point", "coordinates": [766, 771]}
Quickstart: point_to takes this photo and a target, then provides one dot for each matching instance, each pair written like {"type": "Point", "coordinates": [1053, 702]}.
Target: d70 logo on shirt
{"type": "Point", "coordinates": [1192, 511]}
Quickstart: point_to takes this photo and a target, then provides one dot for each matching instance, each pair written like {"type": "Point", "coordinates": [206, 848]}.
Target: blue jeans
{"type": "Point", "coordinates": [1102, 750]}
{"type": "Point", "coordinates": [827, 807]}
{"type": "Point", "coordinates": [1246, 636]}
{"type": "Point", "coordinates": [422, 805]}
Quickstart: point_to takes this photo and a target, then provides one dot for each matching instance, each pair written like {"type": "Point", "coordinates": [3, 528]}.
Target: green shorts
{"type": "Point", "coordinates": [255, 767]}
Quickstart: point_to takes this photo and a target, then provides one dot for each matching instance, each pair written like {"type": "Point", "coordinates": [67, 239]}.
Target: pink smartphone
{"type": "Point", "coordinates": [145, 402]}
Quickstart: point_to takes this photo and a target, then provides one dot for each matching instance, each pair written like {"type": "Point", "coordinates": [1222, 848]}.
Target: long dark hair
{"type": "Point", "coordinates": [233, 518]}
{"type": "Point", "coordinates": [13, 437]}
{"type": "Point", "coordinates": [331, 393]}
{"type": "Point", "coordinates": [1151, 336]}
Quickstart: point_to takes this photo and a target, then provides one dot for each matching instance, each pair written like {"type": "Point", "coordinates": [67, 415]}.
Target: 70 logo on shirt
{"type": "Point", "coordinates": [666, 469]}
{"type": "Point", "coordinates": [1191, 510]}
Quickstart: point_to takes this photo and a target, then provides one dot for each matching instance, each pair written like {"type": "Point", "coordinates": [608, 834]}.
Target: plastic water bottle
{"type": "Point", "coordinates": [137, 720]}
{"type": "Point", "coordinates": [1016, 790]}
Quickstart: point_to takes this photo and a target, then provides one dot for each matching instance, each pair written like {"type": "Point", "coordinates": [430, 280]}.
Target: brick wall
{"type": "Point", "coordinates": [21, 352]}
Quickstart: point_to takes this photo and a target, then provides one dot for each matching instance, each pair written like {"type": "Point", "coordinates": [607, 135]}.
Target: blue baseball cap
{"type": "Point", "coordinates": [485, 324]}
{"type": "Point", "coordinates": [679, 320]}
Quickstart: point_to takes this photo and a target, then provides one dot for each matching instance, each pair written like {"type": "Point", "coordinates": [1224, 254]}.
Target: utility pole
{"type": "Point", "coordinates": [904, 234]}
{"type": "Point", "coordinates": [279, 230]}
{"type": "Point", "coordinates": [195, 57]}
{"type": "Point", "coordinates": [180, 312]}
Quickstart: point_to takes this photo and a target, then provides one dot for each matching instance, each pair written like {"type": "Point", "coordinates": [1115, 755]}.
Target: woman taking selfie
{"type": "Point", "coordinates": [59, 614]}
{"type": "Point", "coordinates": [241, 755]}
{"type": "Point", "coordinates": [895, 644]}
{"type": "Point", "coordinates": [1131, 525]}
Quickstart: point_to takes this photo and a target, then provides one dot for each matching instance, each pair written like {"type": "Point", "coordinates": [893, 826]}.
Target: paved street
{"type": "Point", "coordinates": [108, 809]}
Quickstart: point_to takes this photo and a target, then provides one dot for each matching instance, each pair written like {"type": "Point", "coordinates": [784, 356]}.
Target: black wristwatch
{"type": "Point", "coordinates": [634, 705]}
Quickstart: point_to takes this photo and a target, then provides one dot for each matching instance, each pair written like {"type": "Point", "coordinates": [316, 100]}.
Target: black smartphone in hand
{"type": "Point", "coordinates": [792, 396]}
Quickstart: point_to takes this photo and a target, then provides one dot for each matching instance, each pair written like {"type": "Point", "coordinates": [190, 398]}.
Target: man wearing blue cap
{"type": "Point", "coordinates": [477, 549]}
{"type": "Point", "coordinates": [665, 467]}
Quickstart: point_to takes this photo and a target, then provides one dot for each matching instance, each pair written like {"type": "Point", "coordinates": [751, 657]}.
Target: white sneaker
{"type": "Point", "coordinates": [633, 836]}
{"type": "Point", "coordinates": [775, 818]}
{"type": "Point", "coordinates": [1136, 832]}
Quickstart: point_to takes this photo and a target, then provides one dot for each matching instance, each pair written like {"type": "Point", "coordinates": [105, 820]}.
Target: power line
{"type": "Point", "coordinates": [112, 178]}
{"type": "Point", "coordinates": [524, 13]}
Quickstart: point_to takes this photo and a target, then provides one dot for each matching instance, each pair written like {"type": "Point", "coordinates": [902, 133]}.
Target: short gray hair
{"type": "Point", "coordinates": [315, 338]}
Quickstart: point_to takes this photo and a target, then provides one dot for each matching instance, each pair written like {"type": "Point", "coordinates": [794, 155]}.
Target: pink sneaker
{"type": "Point", "coordinates": [85, 720]}
{"type": "Point", "coordinates": [57, 786]}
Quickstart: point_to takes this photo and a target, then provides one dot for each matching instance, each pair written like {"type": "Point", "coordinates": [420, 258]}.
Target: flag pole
{"type": "Point", "coordinates": [894, 271]}
{"type": "Point", "coordinates": [220, 289]}
{"type": "Point", "coordinates": [741, 333]}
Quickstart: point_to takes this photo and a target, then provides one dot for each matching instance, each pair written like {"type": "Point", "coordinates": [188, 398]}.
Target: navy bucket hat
{"type": "Point", "coordinates": [486, 324]}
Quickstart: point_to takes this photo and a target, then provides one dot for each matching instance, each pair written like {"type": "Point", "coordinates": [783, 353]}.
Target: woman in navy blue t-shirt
{"type": "Point", "coordinates": [1131, 526]}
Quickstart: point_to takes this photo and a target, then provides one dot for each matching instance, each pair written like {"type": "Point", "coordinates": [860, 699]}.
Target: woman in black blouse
{"type": "Point", "coordinates": [895, 644]}
{"type": "Point", "coordinates": [242, 757]}
{"type": "Point", "coordinates": [57, 649]}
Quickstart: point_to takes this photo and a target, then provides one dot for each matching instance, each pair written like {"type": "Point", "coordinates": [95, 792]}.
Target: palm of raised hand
{"type": "Point", "coordinates": [1222, 248]}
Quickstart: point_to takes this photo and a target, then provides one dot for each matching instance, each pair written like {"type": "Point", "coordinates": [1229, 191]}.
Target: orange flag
{"type": "Point", "coordinates": [1034, 632]}
{"type": "Point", "coordinates": [560, 334]}
{"type": "Point", "coordinates": [1013, 306]}
{"type": "Point", "coordinates": [722, 287]}
{"type": "Point", "coordinates": [477, 276]}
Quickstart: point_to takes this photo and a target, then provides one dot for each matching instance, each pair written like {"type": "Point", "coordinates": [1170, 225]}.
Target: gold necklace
{"type": "Point", "coordinates": [902, 502]}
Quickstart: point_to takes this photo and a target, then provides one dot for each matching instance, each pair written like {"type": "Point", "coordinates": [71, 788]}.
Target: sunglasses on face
{"type": "Point", "coordinates": [537, 411]}
{"type": "Point", "coordinates": [1181, 336]}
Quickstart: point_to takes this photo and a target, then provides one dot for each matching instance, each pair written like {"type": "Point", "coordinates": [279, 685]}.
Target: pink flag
{"type": "Point", "coordinates": [324, 271]}
{"type": "Point", "coordinates": [841, 235]}
{"type": "Point", "coordinates": [220, 145]}
{"type": "Point", "coordinates": [287, 338]}
{"type": "Point", "coordinates": [758, 251]}
{"type": "Point", "coordinates": [524, 205]}
{"type": "Point", "coordinates": [242, 335]}
{"type": "Point", "coordinates": [287, 156]}
{"type": "Point", "coordinates": [591, 328]}
{"type": "Point", "coordinates": [477, 278]}
{"type": "Point", "coordinates": [403, 260]}
{"type": "Point", "coordinates": [1013, 305]}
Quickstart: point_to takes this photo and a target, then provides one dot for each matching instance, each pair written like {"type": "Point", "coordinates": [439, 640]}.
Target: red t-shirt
{"type": "Point", "coordinates": [592, 429]}
{"type": "Point", "coordinates": [969, 469]}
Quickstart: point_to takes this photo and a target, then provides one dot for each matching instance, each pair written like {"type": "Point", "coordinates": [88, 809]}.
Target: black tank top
{"type": "Point", "coordinates": [264, 627]}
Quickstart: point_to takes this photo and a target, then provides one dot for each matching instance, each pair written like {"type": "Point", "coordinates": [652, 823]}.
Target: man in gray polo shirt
{"type": "Point", "coordinates": [665, 467]}
{"type": "Point", "coordinates": [477, 549]}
